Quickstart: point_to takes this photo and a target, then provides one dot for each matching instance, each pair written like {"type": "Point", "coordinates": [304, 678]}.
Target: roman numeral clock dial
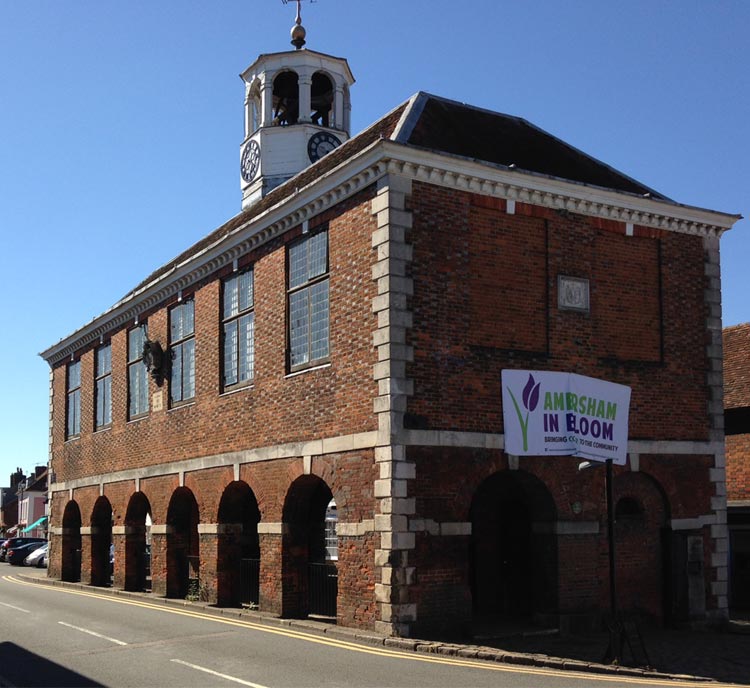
{"type": "Point", "coordinates": [250, 161]}
{"type": "Point", "coordinates": [321, 143]}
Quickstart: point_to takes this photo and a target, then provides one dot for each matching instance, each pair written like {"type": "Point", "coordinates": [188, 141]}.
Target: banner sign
{"type": "Point", "coordinates": [564, 414]}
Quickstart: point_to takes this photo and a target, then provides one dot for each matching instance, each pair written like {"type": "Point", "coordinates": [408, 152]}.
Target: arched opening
{"type": "Point", "coordinates": [71, 543]}
{"type": "Point", "coordinates": [138, 543]}
{"type": "Point", "coordinates": [347, 109]}
{"type": "Point", "coordinates": [238, 547]}
{"type": "Point", "coordinates": [253, 108]}
{"type": "Point", "coordinates": [102, 555]}
{"type": "Point", "coordinates": [286, 99]}
{"type": "Point", "coordinates": [628, 510]}
{"type": "Point", "coordinates": [641, 544]}
{"type": "Point", "coordinates": [321, 100]}
{"type": "Point", "coordinates": [513, 558]}
{"type": "Point", "coordinates": [183, 546]}
{"type": "Point", "coordinates": [309, 573]}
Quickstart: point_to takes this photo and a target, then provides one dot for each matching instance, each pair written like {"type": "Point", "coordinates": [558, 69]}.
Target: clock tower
{"type": "Point", "coordinates": [297, 109]}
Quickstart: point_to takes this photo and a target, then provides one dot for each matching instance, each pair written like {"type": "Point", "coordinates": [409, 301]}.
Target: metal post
{"type": "Point", "coordinates": [614, 653]}
{"type": "Point", "coordinates": [611, 541]}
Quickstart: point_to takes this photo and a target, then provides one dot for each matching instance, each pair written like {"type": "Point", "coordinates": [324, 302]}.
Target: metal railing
{"type": "Point", "coordinates": [250, 581]}
{"type": "Point", "coordinates": [323, 584]}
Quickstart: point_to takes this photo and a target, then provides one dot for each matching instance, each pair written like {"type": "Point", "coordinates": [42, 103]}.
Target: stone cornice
{"type": "Point", "coordinates": [365, 168]}
{"type": "Point", "coordinates": [558, 194]}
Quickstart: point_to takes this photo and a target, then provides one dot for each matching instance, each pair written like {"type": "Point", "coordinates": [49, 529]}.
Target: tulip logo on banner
{"type": "Point", "coordinates": [530, 399]}
{"type": "Point", "coordinates": [564, 414]}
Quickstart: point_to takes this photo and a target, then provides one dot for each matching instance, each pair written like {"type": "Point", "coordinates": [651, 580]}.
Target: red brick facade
{"type": "Point", "coordinates": [439, 280]}
{"type": "Point", "coordinates": [737, 425]}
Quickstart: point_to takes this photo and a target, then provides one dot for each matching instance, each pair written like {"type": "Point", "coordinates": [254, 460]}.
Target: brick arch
{"type": "Point", "coordinates": [137, 553]}
{"type": "Point", "coordinates": [238, 546]}
{"type": "Point", "coordinates": [479, 465]}
{"type": "Point", "coordinates": [101, 542]}
{"type": "Point", "coordinates": [265, 495]}
{"type": "Point", "coordinates": [183, 545]}
{"type": "Point", "coordinates": [71, 542]}
{"type": "Point", "coordinates": [513, 561]}
{"type": "Point", "coordinates": [303, 542]}
{"type": "Point", "coordinates": [640, 543]}
{"type": "Point", "coordinates": [207, 486]}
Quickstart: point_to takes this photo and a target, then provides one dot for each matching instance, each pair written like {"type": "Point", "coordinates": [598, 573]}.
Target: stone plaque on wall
{"type": "Point", "coordinates": [573, 293]}
{"type": "Point", "coordinates": [157, 403]}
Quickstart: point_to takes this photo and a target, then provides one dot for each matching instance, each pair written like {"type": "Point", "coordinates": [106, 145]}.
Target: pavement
{"type": "Point", "coordinates": [698, 654]}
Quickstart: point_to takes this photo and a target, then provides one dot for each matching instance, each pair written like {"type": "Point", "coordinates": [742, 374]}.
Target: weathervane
{"type": "Point", "coordinates": [298, 31]}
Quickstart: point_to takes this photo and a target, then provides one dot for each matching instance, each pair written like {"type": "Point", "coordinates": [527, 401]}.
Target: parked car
{"type": "Point", "coordinates": [16, 555]}
{"type": "Point", "coordinates": [10, 543]}
{"type": "Point", "coordinates": [38, 557]}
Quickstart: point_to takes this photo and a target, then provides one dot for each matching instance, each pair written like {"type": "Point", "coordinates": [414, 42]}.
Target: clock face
{"type": "Point", "coordinates": [321, 143]}
{"type": "Point", "coordinates": [250, 161]}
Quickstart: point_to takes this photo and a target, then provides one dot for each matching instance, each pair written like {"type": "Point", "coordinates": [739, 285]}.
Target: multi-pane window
{"type": "Point", "coordinates": [103, 376]}
{"type": "Point", "coordinates": [239, 327]}
{"type": "Point", "coordinates": [137, 373]}
{"type": "Point", "coordinates": [182, 351]}
{"type": "Point", "coordinates": [308, 300]}
{"type": "Point", "coordinates": [74, 400]}
{"type": "Point", "coordinates": [332, 540]}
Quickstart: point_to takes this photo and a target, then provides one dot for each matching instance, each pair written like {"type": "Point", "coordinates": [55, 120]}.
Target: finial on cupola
{"type": "Point", "coordinates": [298, 31]}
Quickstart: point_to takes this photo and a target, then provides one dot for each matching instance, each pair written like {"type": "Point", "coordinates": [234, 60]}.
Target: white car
{"type": "Point", "coordinates": [38, 557]}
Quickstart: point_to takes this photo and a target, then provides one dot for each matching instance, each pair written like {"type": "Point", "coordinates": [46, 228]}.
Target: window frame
{"type": "Point", "coordinates": [308, 286]}
{"type": "Point", "coordinates": [177, 349]}
{"type": "Point", "coordinates": [133, 362]}
{"type": "Point", "coordinates": [105, 379]}
{"type": "Point", "coordinates": [73, 395]}
{"type": "Point", "coordinates": [236, 318]}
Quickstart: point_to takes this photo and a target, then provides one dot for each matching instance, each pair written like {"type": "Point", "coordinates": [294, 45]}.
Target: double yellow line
{"type": "Point", "coordinates": [364, 649]}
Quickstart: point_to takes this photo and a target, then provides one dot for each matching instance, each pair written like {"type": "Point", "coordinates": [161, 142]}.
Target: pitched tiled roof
{"type": "Point", "coordinates": [451, 127]}
{"type": "Point", "coordinates": [424, 122]}
{"type": "Point", "coordinates": [737, 366]}
{"type": "Point", "coordinates": [447, 127]}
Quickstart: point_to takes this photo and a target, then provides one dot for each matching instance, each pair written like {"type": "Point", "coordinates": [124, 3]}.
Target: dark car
{"type": "Point", "coordinates": [10, 543]}
{"type": "Point", "coordinates": [16, 555]}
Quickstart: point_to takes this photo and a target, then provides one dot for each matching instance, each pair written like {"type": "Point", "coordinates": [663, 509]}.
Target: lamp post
{"type": "Point", "coordinates": [614, 651]}
{"type": "Point", "coordinates": [615, 635]}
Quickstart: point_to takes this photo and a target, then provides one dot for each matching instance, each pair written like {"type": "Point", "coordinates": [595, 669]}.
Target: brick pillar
{"type": "Point", "coordinates": [271, 547]}
{"type": "Point", "coordinates": [393, 573]}
{"type": "Point", "coordinates": [717, 569]}
{"type": "Point", "coordinates": [87, 575]}
{"type": "Point", "coordinates": [159, 559]}
{"type": "Point", "coordinates": [54, 554]}
{"type": "Point", "coordinates": [208, 536]}
{"type": "Point", "coordinates": [118, 540]}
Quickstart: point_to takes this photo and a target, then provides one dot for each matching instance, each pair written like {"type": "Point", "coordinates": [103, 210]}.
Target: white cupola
{"type": "Point", "coordinates": [297, 109]}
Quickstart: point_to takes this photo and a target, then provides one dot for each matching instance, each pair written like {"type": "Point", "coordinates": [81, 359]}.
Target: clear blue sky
{"type": "Point", "coordinates": [120, 126]}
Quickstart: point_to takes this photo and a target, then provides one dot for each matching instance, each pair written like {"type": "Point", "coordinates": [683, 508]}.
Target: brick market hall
{"type": "Point", "coordinates": [303, 412]}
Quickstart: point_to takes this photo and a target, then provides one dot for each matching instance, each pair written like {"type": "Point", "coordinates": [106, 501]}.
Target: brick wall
{"type": "Point", "coordinates": [738, 466]}
{"type": "Point", "coordinates": [485, 298]}
{"type": "Point", "coordinates": [330, 401]}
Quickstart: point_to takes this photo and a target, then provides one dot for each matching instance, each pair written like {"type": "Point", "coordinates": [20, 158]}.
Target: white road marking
{"type": "Point", "coordinates": [18, 609]}
{"type": "Point", "coordinates": [94, 633]}
{"type": "Point", "coordinates": [216, 673]}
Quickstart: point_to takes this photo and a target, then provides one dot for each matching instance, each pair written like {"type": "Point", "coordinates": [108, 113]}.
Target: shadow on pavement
{"type": "Point", "coordinates": [717, 654]}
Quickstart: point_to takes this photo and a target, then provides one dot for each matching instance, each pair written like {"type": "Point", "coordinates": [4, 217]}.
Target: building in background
{"type": "Point", "coordinates": [9, 503]}
{"type": "Point", "coordinates": [303, 410]}
{"type": "Point", "coordinates": [737, 429]}
{"type": "Point", "coordinates": [32, 504]}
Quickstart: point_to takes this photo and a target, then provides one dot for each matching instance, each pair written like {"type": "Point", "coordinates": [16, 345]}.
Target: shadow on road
{"type": "Point", "coordinates": [19, 667]}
